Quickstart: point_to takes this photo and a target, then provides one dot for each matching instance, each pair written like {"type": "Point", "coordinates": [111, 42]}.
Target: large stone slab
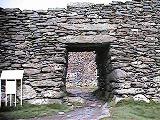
{"type": "Point", "coordinates": [87, 39]}
{"type": "Point", "coordinates": [89, 27]}
{"type": "Point", "coordinates": [79, 4]}
{"type": "Point", "coordinates": [28, 92]}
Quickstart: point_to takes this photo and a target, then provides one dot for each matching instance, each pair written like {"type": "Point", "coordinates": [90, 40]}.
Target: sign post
{"type": "Point", "coordinates": [11, 77]}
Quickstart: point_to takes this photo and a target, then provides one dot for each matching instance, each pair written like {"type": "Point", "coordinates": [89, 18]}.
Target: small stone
{"type": "Point", "coordinates": [76, 99]}
{"type": "Point", "coordinates": [118, 99]}
{"type": "Point", "coordinates": [141, 97]}
{"type": "Point", "coordinates": [93, 105]}
{"type": "Point", "coordinates": [59, 60]}
{"type": "Point", "coordinates": [19, 53]}
{"type": "Point", "coordinates": [69, 104]}
{"type": "Point", "coordinates": [61, 113]}
{"type": "Point", "coordinates": [156, 79]}
{"type": "Point", "coordinates": [52, 94]}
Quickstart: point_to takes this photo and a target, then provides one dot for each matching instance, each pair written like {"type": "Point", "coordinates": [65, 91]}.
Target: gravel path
{"type": "Point", "coordinates": [93, 110]}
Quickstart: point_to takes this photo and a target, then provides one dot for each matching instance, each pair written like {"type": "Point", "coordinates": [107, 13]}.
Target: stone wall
{"type": "Point", "coordinates": [125, 37]}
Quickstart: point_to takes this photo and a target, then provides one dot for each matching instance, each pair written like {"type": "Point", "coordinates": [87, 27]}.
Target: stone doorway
{"type": "Point", "coordinates": [101, 45]}
{"type": "Point", "coordinates": [102, 63]}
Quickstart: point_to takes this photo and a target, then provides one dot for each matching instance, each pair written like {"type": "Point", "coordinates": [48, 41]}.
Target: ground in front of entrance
{"type": "Point", "coordinates": [90, 109]}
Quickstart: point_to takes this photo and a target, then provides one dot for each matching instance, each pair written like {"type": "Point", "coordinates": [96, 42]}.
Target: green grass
{"type": "Point", "coordinates": [130, 110]}
{"type": "Point", "coordinates": [30, 111]}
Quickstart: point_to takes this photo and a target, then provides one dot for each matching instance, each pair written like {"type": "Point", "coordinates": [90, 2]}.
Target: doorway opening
{"type": "Point", "coordinates": [87, 69]}
{"type": "Point", "coordinates": [81, 72]}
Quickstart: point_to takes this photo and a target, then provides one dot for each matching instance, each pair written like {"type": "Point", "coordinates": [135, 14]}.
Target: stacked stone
{"type": "Point", "coordinates": [128, 66]}
{"type": "Point", "coordinates": [138, 41]}
{"type": "Point", "coordinates": [28, 42]}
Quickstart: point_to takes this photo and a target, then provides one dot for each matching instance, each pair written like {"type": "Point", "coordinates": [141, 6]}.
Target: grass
{"type": "Point", "coordinates": [30, 111]}
{"type": "Point", "coordinates": [131, 110]}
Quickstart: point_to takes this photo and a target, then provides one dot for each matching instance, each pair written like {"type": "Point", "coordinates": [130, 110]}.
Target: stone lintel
{"type": "Point", "coordinates": [89, 27]}
{"type": "Point", "coordinates": [91, 39]}
{"type": "Point", "coordinates": [79, 4]}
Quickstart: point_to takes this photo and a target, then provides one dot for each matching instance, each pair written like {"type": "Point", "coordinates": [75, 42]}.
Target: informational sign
{"type": "Point", "coordinates": [12, 74]}
{"type": "Point", "coordinates": [10, 77]}
{"type": "Point", "coordinates": [11, 87]}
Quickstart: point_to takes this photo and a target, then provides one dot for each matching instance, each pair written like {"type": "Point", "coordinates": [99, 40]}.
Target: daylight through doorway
{"type": "Point", "coordinates": [81, 72]}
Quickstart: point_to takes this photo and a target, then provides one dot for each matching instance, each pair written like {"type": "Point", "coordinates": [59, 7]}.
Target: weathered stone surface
{"type": "Point", "coordinates": [87, 39]}
{"type": "Point", "coordinates": [79, 4]}
{"type": "Point", "coordinates": [117, 74]}
{"type": "Point", "coordinates": [44, 101]}
{"type": "Point", "coordinates": [59, 60]}
{"type": "Point", "coordinates": [89, 27]}
{"type": "Point", "coordinates": [47, 83]}
{"type": "Point", "coordinates": [28, 92]}
{"type": "Point", "coordinates": [52, 94]}
{"type": "Point", "coordinates": [47, 69]}
{"type": "Point", "coordinates": [75, 100]}
{"type": "Point", "coordinates": [117, 99]}
{"type": "Point", "coordinates": [138, 85]}
{"type": "Point", "coordinates": [132, 91]}
{"type": "Point", "coordinates": [31, 65]}
{"type": "Point", "coordinates": [105, 111]}
{"type": "Point", "coordinates": [19, 53]}
{"type": "Point", "coordinates": [141, 97]}
{"type": "Point", "coordinates": [121, 85]}
{"type": "Point", "coordinates": [156, 79]}
{"type": "Point", "coordinates": [31, 71]}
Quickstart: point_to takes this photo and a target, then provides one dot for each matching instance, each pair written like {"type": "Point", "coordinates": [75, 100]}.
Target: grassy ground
{"type": "Point", "coordinates": [130, 110]}
{"type": "Point", "coordinates": [30, 111]}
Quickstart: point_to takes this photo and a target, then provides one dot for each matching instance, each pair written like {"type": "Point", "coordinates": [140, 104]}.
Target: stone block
{"type": "Point", "coordinates": [131, 91]}
{"type": "Point", "coordinates": [19, 53]}
{"type": "Point", "coordinates": [79, 4]}
{"type": "Point", "coordinates": [28, 92]}
{"type": "Point", "coordinates": [89, 27]}
{"type": "Point", "coordinates": [117, 74]}
{"type": "Point", "coordinates": [87, 39]}
{"type": "Point", "coordinates": [140, 97]}
{"type": "Point", "coordinates": [59, 60]}
{"type": "Point", "coordinates": [47, 83]}
{"type": "Point", "coordinates": [52, 94]}
{"type": "Point", "coordinates": [32, 71]}
{"type": "Point", "coordinates": [41, 101]}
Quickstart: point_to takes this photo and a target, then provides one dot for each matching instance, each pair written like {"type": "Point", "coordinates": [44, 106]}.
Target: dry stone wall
{"type": "Point", "coordinates": [128, 62]}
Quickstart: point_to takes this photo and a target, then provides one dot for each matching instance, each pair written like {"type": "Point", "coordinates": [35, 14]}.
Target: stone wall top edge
{"type": "Point", "coordinates": [81, 5]}
{"type": "Point", "coordinates": [72, 4]}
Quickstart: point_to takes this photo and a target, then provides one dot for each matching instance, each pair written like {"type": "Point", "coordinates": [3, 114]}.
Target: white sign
{"type": "Point", "coordinates": [12, 74]}
{"type": "Point", "coordinates": [10, 87]}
